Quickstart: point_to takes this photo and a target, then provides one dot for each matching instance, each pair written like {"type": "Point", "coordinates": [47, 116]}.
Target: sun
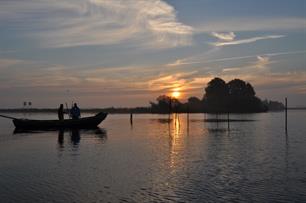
{"type": "Point", "coordinates": [176, 94]}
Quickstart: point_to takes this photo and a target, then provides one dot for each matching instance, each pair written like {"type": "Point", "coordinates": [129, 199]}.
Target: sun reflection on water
{"type": "Point", "coordinates": [176, 135]}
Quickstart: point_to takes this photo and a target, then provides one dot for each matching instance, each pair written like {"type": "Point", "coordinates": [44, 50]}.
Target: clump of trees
{"type": "Point", "coordinates": [165, 104]}
{"type": "Point", "coordinates": [274, 105]}
{"type": "Point", "coordinates": [236, 96]}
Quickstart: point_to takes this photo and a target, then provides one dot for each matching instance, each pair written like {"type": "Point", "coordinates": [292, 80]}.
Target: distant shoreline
{"type": "Point", "coordinates": [139, 110]}
{"type": "Point", "coordinates": [85, 110]}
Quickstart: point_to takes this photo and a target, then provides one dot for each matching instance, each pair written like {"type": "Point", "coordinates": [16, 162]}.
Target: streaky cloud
{"type": "Point", "coordinates": [231, 69]}
{"type": "Point", "coordinates": [6, 63]}
{"type": "Point", "coordinates": [246, 41]}
{"type": "Point", "coordinates": [286, 53]}
{"type": "Point", "coordinates": [65, 23]}
{"type": "Point", "coordinates": [251, 24]}
{"type": "Point", "coordinates": [224, 36]}
{"type": "Point", "coordinates": [181, 62]}
{"type": "Point", "coordinates": [262, 61]}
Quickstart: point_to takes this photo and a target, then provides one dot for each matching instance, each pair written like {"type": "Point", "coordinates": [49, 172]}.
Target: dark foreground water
{"type": "Point", "coordinates": [158, 161]}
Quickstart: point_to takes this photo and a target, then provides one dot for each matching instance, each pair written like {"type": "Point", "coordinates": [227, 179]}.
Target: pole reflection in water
{"type": "Point", "coordinates": [216, 127]}
{"type": "Point", "coordinates": [287, 154]}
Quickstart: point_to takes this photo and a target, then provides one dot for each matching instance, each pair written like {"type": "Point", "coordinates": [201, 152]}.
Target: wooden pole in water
{"type": "Point", "coordinates": [286, 114]}
{"type": "Point", "coordinates": [228, 120]}
{"type": "Point", "coordinates": [188, 113]}
{"type": "Point", "coordinates": [187, 116]}
{"type": "Point", "coordinates": [131, 118]}
{"type": "Point", "coordinates": [217, 119]}
{"type": "Point", "coordinates": [170, 108]}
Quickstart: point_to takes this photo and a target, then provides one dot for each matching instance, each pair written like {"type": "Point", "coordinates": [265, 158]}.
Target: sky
{"type": "Point", "coordinates": [125, 53]}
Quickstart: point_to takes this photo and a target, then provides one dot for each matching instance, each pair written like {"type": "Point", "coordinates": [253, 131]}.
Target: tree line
{"type": "Point", "coordinates": [236, 96]}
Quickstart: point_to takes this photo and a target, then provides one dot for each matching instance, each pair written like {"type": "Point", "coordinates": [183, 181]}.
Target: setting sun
{"type": "Point", "coordinates": [176, 94]}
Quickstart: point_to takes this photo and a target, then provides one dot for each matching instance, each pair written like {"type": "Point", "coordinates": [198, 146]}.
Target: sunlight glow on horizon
{"type": "Point", "coordinates": [176, 94]}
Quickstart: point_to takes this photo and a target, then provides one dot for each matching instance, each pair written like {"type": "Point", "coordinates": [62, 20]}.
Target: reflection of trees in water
{"type": "Point", "coordinates": [164, 120]}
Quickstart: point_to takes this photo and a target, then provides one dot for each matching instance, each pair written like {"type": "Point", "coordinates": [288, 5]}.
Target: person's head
{"type": "Point", "coordinates": [61, 105]}
{"type": "Point", "coordinates": [75, 105]}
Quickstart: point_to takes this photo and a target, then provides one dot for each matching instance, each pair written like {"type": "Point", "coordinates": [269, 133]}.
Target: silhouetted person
{"type": "Point", "coordinates": [60, 112]}
{"type": "Point", "coordinates": [75, 112]}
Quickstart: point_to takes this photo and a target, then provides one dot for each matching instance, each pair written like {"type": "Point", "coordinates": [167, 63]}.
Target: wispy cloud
{"type": "Point", "coordinates": [231, 69]}
{"type": "Point", "coordinates": [97, 22]}
{"type": "Point", "coordinates": [271, 82]}
{"type": "Point", "coordinates": [6, 63]}
{"type": "Point", "coordinates": [180, 62]}
{"type": "Point", "coordinates": [224, 36]}
{"type": "Point", "coordinates": [259, 66]}
{"type": "Point", "coordinates": [172, 81]}
{"type": "Point", "coordinates": [262, 61]}
{"type": "Point", "coordinates": [251, 24]}
{"type": "Point", "coordinates": [190, 60]}
{"type": "Point", "coordinates": [245, 41]}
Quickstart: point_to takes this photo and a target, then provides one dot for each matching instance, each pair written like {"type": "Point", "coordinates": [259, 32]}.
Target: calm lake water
{"type": "Point", "coordinates": [154, 160]}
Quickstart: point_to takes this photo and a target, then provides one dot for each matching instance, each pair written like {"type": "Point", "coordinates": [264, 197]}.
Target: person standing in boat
{"type": "Point", "coordinates": [60, 112]}
{"type": "Point", "coordinates": [75, 112]}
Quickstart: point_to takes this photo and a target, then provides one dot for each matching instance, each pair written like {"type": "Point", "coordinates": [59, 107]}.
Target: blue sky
{"type": "Point", "coordinates": [127, 52]}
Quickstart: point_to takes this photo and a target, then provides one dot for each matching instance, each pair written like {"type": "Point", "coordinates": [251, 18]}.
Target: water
{"type": "Point", "coordinates": [158, 161]}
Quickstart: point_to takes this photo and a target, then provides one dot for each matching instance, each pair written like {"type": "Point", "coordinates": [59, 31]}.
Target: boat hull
{"type": "Point", "coordinates": [86, 122]}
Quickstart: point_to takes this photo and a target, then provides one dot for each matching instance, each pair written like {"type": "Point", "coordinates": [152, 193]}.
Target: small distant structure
{"type": "Point", "coordinates": [27, 104]}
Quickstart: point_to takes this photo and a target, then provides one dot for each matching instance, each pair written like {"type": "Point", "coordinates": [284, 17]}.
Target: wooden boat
{"type": "Point", "coordinates": [86, 122]}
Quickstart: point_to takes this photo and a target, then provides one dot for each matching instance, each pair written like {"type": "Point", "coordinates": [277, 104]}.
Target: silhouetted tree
{"type": "Point", "coordinates": [250, 90]}
{"type": "Point", "coordinates": [242, 97]}
{"type": "Point", "coordinates": [215, 98]}
{"type": "Point", "coordinates": [165, 104]}
{"type": "Point", "coordinates": [216, 88]}
{"type": "Point", "coordinates": [240, 88]}
{"type": "Point", "coordinates": [234, 96]}
{"type": "Point", "coordinates": [194, 104]}
{"type": "Point", "coordinates": [274, 105]}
